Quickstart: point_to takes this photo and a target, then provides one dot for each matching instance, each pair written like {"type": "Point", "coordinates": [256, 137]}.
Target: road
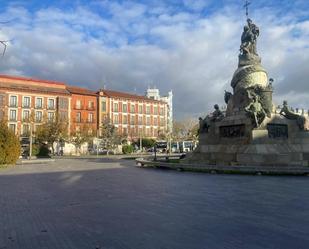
{"type": "Point", "coordinates": [112, 204]}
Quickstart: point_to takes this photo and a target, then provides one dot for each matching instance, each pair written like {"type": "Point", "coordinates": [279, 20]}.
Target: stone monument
{"type": "Point", "coordinates": [251, 132]}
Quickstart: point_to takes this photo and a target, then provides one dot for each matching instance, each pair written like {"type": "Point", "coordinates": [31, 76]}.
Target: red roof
{"type": "Point", "coordinates": [81, 91]}
{"type": "Point", "coordinates": [117, 94]}
{"type": "Point", "coordinates": [35, 89]}
{"type": "Point", "coordinates": [30, 79]}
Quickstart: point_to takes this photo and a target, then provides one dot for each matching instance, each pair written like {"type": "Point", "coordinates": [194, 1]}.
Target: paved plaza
{"type": "Point", "coordinates": [111, 204]}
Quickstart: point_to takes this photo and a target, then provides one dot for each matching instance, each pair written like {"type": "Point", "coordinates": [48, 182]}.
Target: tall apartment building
{"type": "Point", "coordinates": [133, 115]}
{"type": "Point", "coordinates": [154, 93]}
{"type": "Point", "coordinates": [83, 109]}
{"type": "Point", "coordinates": [26, 101]}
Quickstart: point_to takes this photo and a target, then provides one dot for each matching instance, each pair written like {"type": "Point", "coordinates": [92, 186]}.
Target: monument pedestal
{"type": "Point", "coordinates": [233, 141]}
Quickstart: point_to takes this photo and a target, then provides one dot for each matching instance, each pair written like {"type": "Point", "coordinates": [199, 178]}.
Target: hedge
{"type": "Point", "coordinates": [9, 145]}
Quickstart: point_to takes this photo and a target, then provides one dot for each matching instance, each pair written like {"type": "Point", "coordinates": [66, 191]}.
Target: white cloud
{"type": "Point", "coordinates": [138, 46]}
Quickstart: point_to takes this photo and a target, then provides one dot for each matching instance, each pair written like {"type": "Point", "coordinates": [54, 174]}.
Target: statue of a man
{"type": "Point", "coordinates": [289, 114]}
{"type": "Point", "coordinates": [256, 111]}
{"type": "Point", "coordinates": [249, 38]}
{"type": "Point", "coordinates": [217, 115]}
{"type": "Point", "coordinates": [203, 126]}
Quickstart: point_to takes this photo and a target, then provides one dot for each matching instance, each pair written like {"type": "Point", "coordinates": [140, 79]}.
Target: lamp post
{"type": "Point", "coordinates": [30, 142]}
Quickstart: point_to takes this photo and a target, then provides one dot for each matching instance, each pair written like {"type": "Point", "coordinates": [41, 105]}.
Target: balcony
{"type": "Point", "coordinates": [90, 121]}
{"type": "Point", "coordinates": [52, 107]}
{"type": "Point", "coordinates": [78, 120]}
{"type": "Point", "coordinates": [26, 106]}
{"type": "Point", "coordinates": [13, 119]}
{"type": "Point", "coordinates": [90, 108]}
{"type": "Point", "coordinates": [26, 119]}
{"type": "Point", "coordinates": [13, 105]}
{"type": "Point", "coordinates": [78, 107]}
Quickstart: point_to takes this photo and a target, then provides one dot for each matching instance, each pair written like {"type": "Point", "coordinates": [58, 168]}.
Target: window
{"type": "Point", "coordinates": [51, 104]}
{"type": "Point", "coordinates": [26, 130]}
{"type": "Point", "coordinates": [140, 109]}
{"type": "Point", "coordinates": [103, 102]}
{"type": "Point", "coordinates": [115, 107]}
{"type": "Point", "coordinates": [161, 111]}
{"type": "Point", "coordinates": [78, 104]}
{"type": "Point", "coordinates": [63, 103]}
{"type": "Point", "coordinates": [39, 103]}
{"type": "Point", "coordinates": [147, 109]}
{"type": "Point", "coordinates": [132, 109]}
{"type": "Point", "coordinates": [26, 116]}
{"type": "Point", "coordinates": [90, 117]}
{"type": "Point", "coordinates": [13, 101]}
{"type": "Point", "coordinates": [155, 110]}
{"type": "Point", "coordinates": [50, 116]}
{"type": "Point", "coordinates": [63, 116]}
{"type": "Point", "coordinates": [132, 120]}
{"type": "Point", "coordinates": [125, 131]}
{"type": "Point", "coordinates": [125, 119]}
{"type": "Point", "coordinates": [13, 115]}
{"type": "Point", "coordinates": [155, 121]}
{"type": "Point", "coordinates": [90, 105]}
{"type": "Point", "coordinates": [26, 102]}
{"type": "Point", "coordinates": [2, 98]}
{"type": "Point", "coordinates": [140, 120]}
{"type": "Point", "coordinates": [116, 119]}
{"type": "Point", "coordinates": [124, 108]}
{"type": "Point", "coordinates": [38, 116]}
{"type": "Point", "coordinates": [148, 121]}
{"type": "Point", "coordinates": [12, 127]}
{"type": "Point", "coordinates": [162, 122]}
{"type": "Point", "coordinates": [78, 117]}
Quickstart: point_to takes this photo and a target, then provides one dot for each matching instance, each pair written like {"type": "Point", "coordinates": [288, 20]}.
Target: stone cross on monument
{"type": "Point", "coordinates": [247, 9]}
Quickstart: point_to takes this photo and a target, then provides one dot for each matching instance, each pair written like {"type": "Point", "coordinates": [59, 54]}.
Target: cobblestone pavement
{"type": "Point", "coordinates": [111, 204]}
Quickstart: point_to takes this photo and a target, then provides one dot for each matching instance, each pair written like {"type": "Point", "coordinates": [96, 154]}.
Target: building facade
{"type": "Point", "coordinates": [26, 103]}
{"type": "Point", "coordinates": [134, 116]}
{"type": "Point", "coordinates": [83, 109]}
{"type": "Point", "coordinates": [154, 93]}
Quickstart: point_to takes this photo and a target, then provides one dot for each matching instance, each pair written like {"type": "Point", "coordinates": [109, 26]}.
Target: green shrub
{"type": "Point", "coordinates": [9, 145]}
{"type": "Point", "coordinates": [40, 150]}
{"type": "Point", "coordinates": [127, 149]}
{"type": "Point", "coordinates": [146, 142]}
{"type": "Point", "coordinates": [43, 151]}
{"type": "Point", "coordinates": [35, 149]}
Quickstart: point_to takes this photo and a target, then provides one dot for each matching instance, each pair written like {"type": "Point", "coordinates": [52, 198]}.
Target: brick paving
{"type": "Point", "coordinates": [111, 204]}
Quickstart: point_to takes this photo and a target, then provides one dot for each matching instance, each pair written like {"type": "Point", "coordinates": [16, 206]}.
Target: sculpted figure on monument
{"type": "Point", "coordinates": [249, 38]}
{"type": "Point", "coordinates": [217, 115]}
{"type": "Point", "coordinates": [289, 114]}
{"type": "Point", "coordinates": [205, 124]}
{"type": "Point", "coordinates": [227, 96]}
{"type": "Point", "coordinates": [256, 111]}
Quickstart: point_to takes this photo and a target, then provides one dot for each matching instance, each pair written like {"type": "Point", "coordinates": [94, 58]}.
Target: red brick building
{"type": "Point", "coordinates": [27, 102]}
{"type": "Point", "coordinates": [133, 115]}
{"type": "Point", "coordinates": [83, 109]}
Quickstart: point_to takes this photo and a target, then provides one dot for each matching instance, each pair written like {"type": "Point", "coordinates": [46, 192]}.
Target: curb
{"type": "Point", "coordinates": [223, 169]}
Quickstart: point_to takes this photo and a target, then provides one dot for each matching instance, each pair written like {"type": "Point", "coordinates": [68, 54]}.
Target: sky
{"type": "Point", "coordinates": [188, 46]}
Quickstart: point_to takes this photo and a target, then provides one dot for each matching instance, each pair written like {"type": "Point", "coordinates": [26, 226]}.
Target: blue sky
{"type": "Point", "coordinates": [189, 46]}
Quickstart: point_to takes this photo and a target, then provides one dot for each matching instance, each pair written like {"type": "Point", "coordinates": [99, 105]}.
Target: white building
{"type": "Point", "coordinates": [154, 93]}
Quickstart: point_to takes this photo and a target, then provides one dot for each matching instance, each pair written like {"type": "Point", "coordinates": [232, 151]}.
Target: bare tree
{"type": "Point", "coordinates": [185, 129]}
{"type": "Point", "coordinates": [4, 43]}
